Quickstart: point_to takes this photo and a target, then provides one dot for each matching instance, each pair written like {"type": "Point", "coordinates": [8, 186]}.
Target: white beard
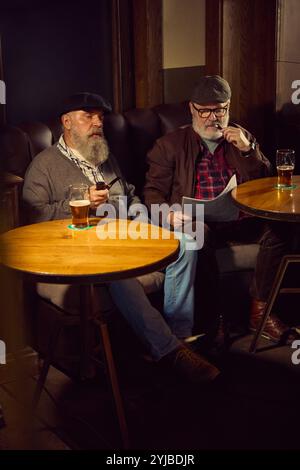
{"type": "Point", "coordinates": [209, 133]}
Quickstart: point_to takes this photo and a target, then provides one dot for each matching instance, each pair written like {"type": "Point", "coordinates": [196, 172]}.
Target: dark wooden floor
{"type": "Point", "coordinates": [255, 406]}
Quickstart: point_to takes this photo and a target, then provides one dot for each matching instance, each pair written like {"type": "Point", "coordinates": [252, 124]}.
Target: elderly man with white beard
{"type": "Point", "coordinates": [82, 156]}
{"type": "Point", "coordinates": [198, 161]}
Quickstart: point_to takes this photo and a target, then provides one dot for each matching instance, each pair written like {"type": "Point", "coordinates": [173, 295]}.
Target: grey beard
{"type": "Point", "coordinates": [95, 152]}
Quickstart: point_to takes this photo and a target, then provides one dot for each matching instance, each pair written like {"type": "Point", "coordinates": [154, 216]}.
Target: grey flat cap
{"type": "Point", "coordinates": [211, 89]}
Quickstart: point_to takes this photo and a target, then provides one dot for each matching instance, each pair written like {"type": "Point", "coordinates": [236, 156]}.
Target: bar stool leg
{"type": "Point", "coordinates": [273, 295]}
{"type": "Point", "coordinates": [114, 383]}
{"type": "Point", "coordinates": [86, 314]}
{"type": "Point", "coordinates": [46, 365]}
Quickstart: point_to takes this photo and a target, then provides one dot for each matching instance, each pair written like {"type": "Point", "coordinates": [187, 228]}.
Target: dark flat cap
{"type": "Point", "coordinates": [84, 100]}
{"type": "Point", "coordinates": [211, 89]}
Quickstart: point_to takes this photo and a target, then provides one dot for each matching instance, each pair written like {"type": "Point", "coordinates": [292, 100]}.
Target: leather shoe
{"type": "Point", "coordinates": [274, 329]}
{"type": "Point", "coordinates": [189, 365]}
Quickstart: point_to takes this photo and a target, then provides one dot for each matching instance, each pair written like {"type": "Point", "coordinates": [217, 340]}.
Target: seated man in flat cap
{"type": "Point", "coordinates": [82, 156]}
{"type": "Point", "coordinates": [198, 161]}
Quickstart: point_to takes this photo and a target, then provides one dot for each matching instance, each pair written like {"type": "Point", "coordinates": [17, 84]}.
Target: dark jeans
{"type": "Point", "coordinates": [276, 239]}
{"type": "Point", "coordinates": [279, 239]}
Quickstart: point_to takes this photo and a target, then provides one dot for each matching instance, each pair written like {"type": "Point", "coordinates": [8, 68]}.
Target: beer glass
{"type": "Point", "coordinates": [80, 203]}
{"type": "Point", "coordinates": [285, 164]}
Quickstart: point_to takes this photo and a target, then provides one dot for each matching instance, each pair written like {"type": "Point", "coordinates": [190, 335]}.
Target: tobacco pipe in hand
{"type": "Point", "coordinates": [100, 185]}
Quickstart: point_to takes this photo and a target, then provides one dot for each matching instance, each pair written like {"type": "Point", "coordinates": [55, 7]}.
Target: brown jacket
{"type": "Point", "coordinates": [172, 165]}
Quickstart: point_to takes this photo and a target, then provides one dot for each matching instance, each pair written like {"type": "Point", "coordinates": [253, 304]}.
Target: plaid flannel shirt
{"type": "Point", "coordinates": [212, 173]}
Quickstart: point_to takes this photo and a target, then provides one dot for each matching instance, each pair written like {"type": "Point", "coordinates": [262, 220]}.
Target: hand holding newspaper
{"type": "Point", "coordinates": [219, 209]}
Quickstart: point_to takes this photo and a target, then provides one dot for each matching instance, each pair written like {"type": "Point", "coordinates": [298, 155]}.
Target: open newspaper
{"type": "Point", "coordinates": [219, 209]}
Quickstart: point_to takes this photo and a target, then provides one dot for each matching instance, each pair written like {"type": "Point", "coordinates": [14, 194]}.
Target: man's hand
{"type": "Point", "coordinates": [235, 136]}
{"type": "Point", "coordinates": [178, 218]}
{"type": "Point", "coordinates": [98, 197]}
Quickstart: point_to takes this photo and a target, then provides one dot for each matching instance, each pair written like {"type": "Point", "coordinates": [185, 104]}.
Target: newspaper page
{"type": "Point", "coordinates": [219, 209]}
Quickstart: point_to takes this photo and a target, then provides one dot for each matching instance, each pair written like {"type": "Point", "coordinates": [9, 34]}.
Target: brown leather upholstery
{"type": "Point", "coordinates": [55, 127]}
{"type": "Point", "coordinates": [172, 116]}
{"type": "Point", "coordinates": [15, 154]}
{"type": "Point", "coordinates": [130, 136]}
{"type": "Point", "coordinates": [40, 136]}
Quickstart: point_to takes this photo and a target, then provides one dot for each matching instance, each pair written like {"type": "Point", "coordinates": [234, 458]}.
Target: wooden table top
{"type": "Point", "coordinates": [51, 252]}
{"type": "Point", "coordinates": [261, 198]}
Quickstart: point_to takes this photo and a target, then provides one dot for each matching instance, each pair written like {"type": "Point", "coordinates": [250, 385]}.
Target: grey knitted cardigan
{"type": "Point", "coordinates": [45, 190]}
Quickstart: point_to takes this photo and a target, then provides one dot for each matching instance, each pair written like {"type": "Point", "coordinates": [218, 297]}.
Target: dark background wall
{"type": "Point", "coordinates": [52, 49]}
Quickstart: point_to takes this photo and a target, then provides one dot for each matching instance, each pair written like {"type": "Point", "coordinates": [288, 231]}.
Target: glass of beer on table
{"type": "Point", "coordinates": [285, 164]}
{"type": "Point", "coordinates": [79, 201]}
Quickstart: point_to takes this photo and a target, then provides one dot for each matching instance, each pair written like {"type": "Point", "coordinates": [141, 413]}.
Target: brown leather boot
{"type": "Point", "coordinates": [274, 329]}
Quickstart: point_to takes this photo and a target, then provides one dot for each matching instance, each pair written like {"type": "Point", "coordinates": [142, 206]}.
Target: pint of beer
{"type": "Point", "coordinates": [285, 164]}
{"type": "Point", "coordinates": [79, 204]}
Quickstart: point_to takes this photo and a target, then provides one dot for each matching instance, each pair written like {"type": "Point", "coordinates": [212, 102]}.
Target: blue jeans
{"type": "Point", "coordinates": [148, 323]}
{"type": "Point", "coordinates": [179, 289]}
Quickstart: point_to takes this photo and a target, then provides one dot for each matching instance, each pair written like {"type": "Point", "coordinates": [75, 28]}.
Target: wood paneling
{"type": "Point", "coordinates": [137, 53]}
{"type": "Point", "coordinates": [179, 82]}
{"type": "Point", "coordinates": [249, 55]}
{"type": "Point", "coordinates": [289, 31]}
{"type": "Point", "coordinates": [213, 38]}
{"type": "Point", "coordinates": [147, 16]}
{"type": "Point", "coordinates": [241, 46]}
{"type": "Point", "coordinates": [122, 51]}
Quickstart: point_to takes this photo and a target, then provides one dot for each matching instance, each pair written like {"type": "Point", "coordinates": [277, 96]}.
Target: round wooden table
{"type": "Point", "coordinates": [53, 253]}
{"type": "Point", "coordinates": [261, 198]}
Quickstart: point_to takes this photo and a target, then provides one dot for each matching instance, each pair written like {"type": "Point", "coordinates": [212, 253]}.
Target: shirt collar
{"type": "Point", "coordinates": [73, 152]}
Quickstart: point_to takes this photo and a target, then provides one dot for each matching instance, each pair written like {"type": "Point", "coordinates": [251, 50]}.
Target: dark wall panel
{"type": "Point", "coordinates": [249, 53]}
{"type": "Point", "coordinates": [179, 82]}
{"type": "Point", "coordinates": [51, 50]}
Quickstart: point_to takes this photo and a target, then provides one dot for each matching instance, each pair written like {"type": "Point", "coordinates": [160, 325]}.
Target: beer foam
{"type": "Point", "coordinates": [285, 167]}
{"type": "Point", "coordinates": [80, 203]}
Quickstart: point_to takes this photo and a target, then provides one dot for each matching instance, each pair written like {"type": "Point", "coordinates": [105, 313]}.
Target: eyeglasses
{"type": "Point", "coordinates": [206, 112]}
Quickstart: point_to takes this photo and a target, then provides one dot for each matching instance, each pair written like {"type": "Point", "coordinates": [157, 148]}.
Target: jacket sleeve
{"type": "Point", "coordinates": [256, 164]}
{"type": "Point", "coordinates": [38, 203]}
{"type": "Point", "coordinates": [159, 176]}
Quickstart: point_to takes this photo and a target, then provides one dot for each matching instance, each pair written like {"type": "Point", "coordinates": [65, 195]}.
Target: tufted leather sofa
{"type": "Point", "coordinates": [130, 136]}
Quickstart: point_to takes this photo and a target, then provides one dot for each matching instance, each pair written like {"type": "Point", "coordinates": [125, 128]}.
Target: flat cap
{"type": "Point", "coordinates": [83, 101]}
{"type": "Point", "coordinates": [211, 89]}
